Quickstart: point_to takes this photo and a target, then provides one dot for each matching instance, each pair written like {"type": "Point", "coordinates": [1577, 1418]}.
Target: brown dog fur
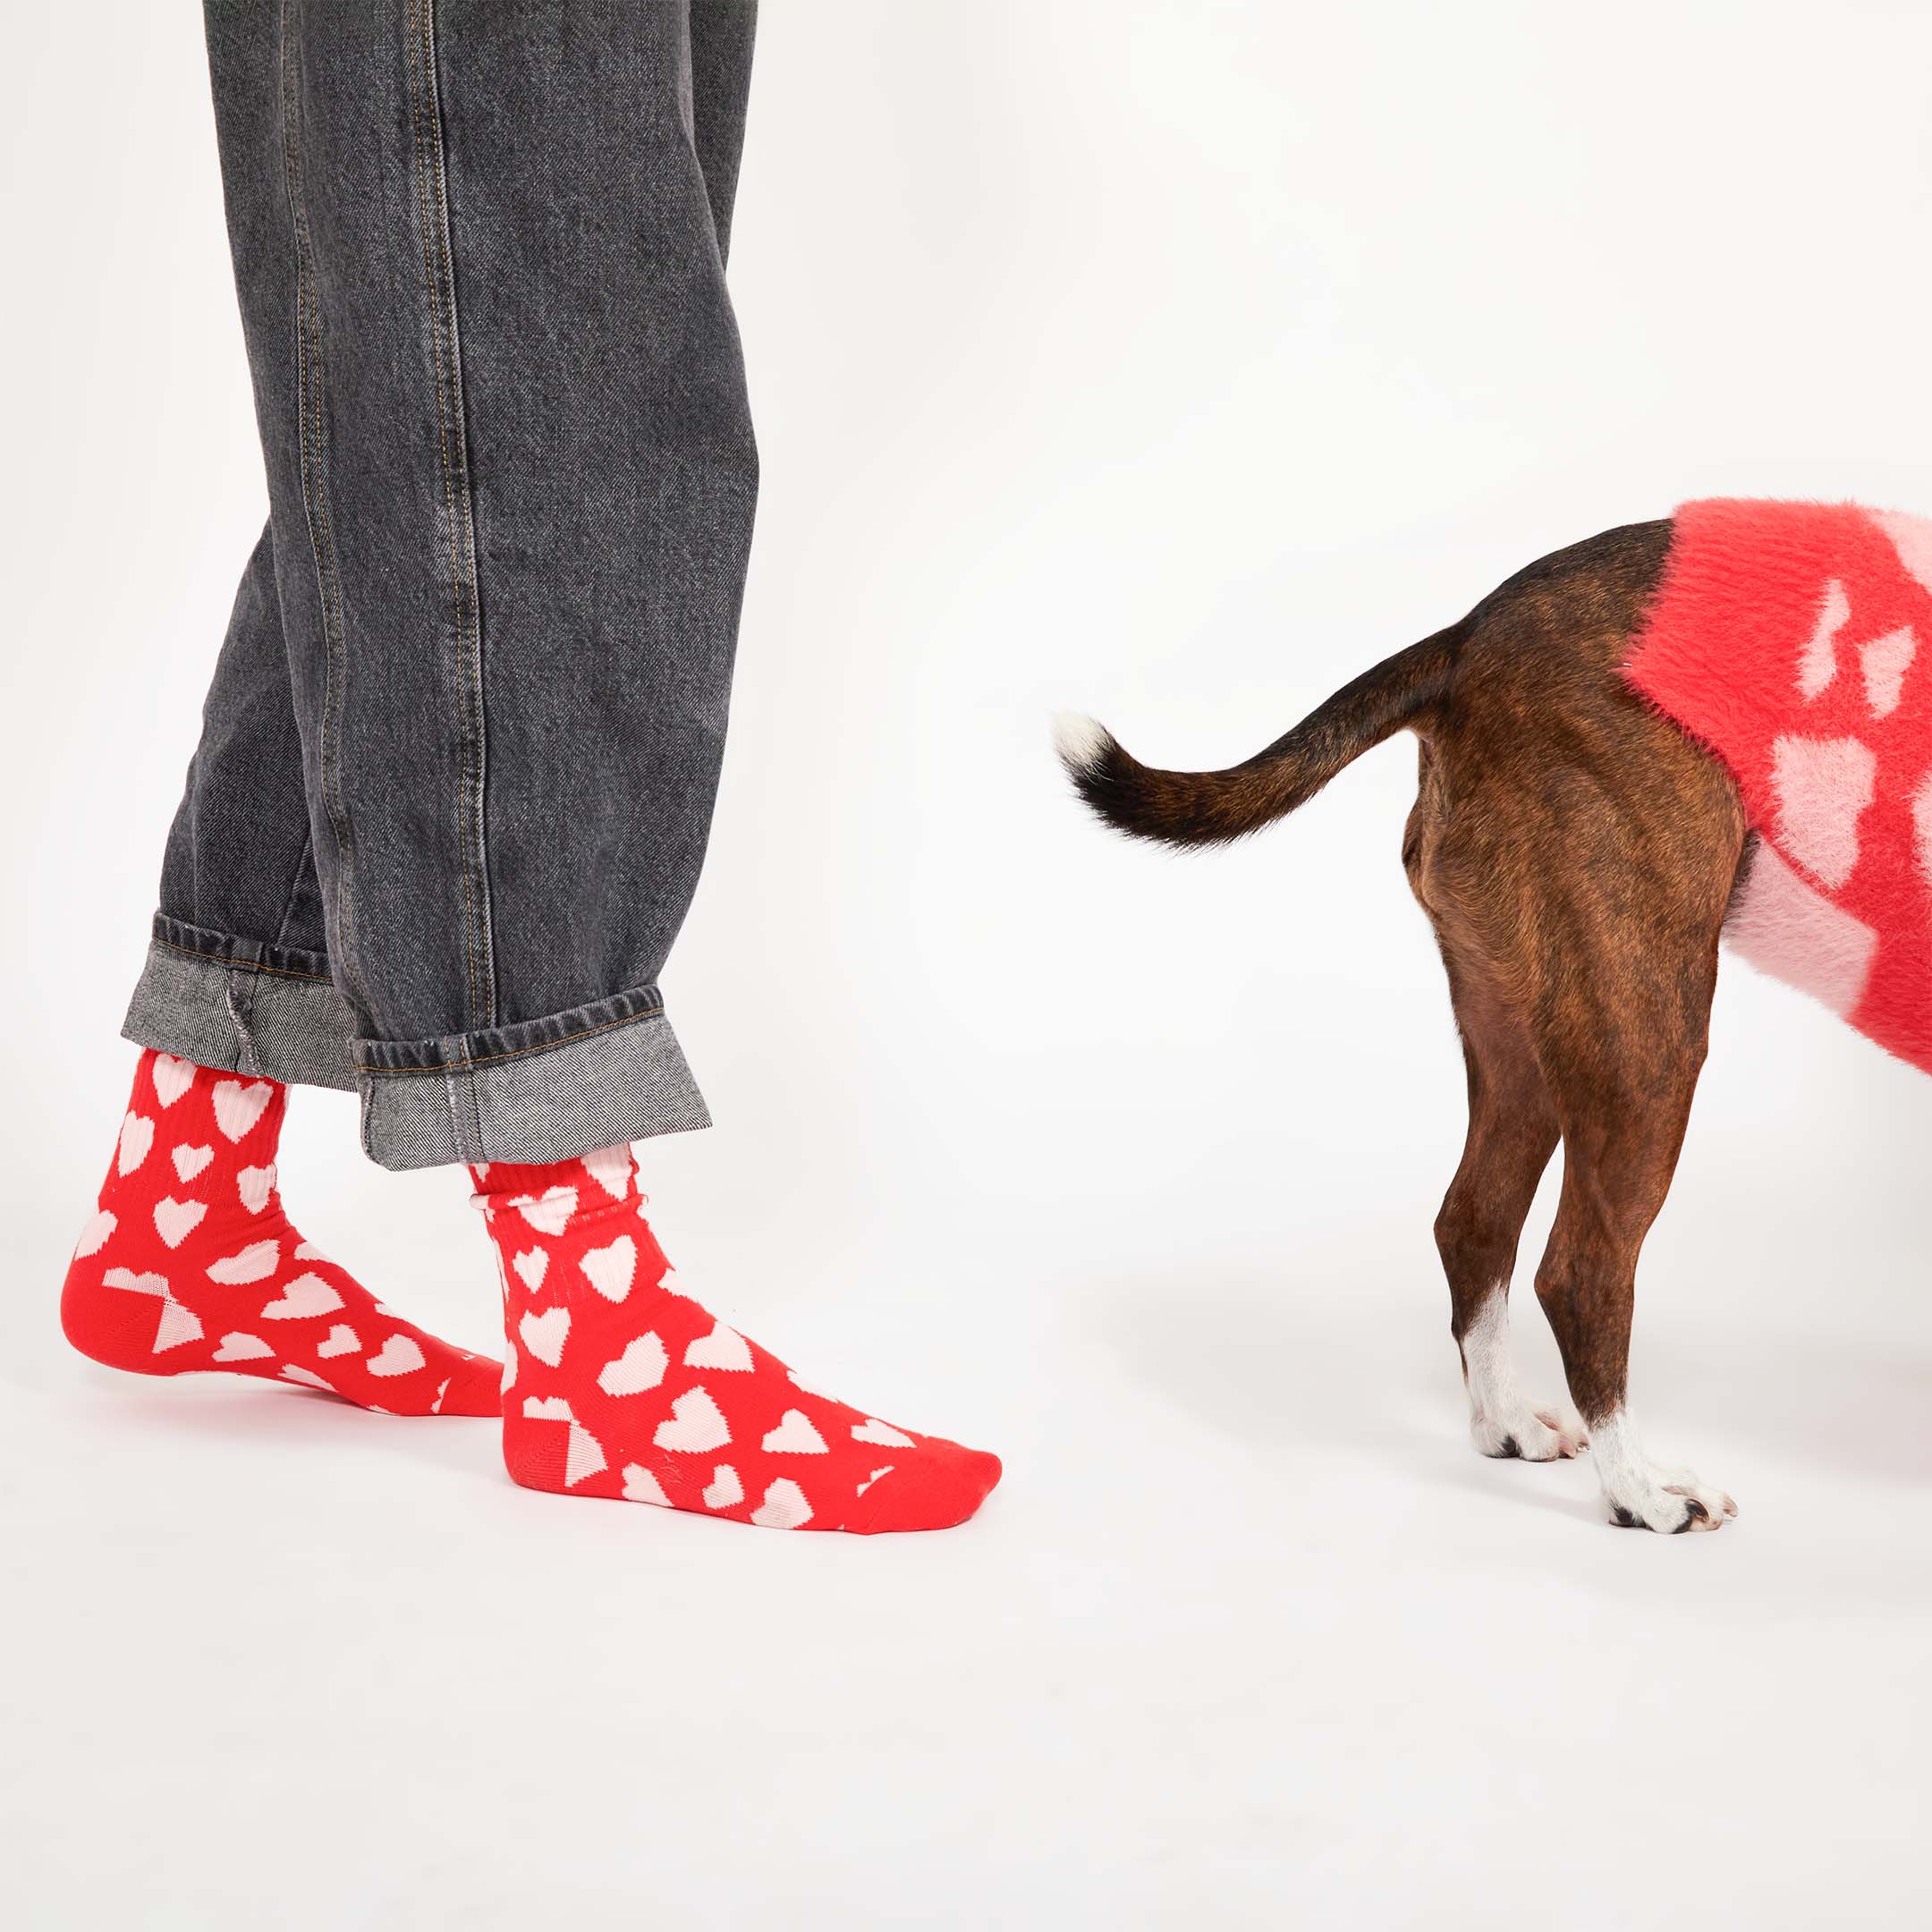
{"type": "Point", "coordinates": [1575, 854]}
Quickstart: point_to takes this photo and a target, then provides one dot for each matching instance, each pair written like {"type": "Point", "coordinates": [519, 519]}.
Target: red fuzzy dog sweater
{"type": "Point", "coordinates": [1794, 640]}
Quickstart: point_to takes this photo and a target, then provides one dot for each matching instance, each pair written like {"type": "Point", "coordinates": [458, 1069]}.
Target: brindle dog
{"type": "Point", "coordinates": [1575, 852]}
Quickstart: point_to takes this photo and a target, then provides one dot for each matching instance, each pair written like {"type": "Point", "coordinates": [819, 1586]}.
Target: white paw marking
{"type": "Point", "coordinates": [137, 1136]}
{"type": "Point", "coordinates": [723, 1348]}
{"type": "Point", "coordinates": [1503, 1422]}
{"type": "Point", "coordinates": [610, 1271]}
{"type": "Point", "coordinates": [171, 1079]}
{"type": "Point", "coordinates": [237, 1108]}
{"type": "Point", "coordinates": [785, 1507]}
{"type": "Point", "coordinates": [189, 1161]}
{"type": "Point", "coordinates": [1639, 1494]}
{"type": "Point", "coordinates": [306, 1295]}
{"type": "Point", "coordinates": [255, 1263]}
{"type": "Point", "coordinates": [694, 1424]}
{"type": "Point", "coordinates": [794, 1435]}
{"type": "Point", "coordinates": [640, 1366]}
{"type": "Point", "coordinates": [399, 1355]}
{"type": "Point", "coordinates": [544, 1334]}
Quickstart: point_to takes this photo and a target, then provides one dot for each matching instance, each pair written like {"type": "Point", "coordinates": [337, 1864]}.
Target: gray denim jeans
{"type": "Point", "coordinates": [457, 765]}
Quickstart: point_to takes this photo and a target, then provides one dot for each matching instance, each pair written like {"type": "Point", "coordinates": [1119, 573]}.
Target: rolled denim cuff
{"type": "Point", "coordinates": [262, 1010]}
{"type": "Point", "coordinates": [543, 1090]}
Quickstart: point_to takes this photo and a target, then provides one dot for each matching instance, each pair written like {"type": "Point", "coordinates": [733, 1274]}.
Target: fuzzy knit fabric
{"type": "Point", "coordinates": [1794, 640]}
{"type": "Point", "coordinates": [189, 1262]}
{"type": "Point", "coordinates": [619, 1384]}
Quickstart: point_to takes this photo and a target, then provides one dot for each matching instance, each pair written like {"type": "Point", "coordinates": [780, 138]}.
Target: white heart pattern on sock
{"type": "Point", "coordinates": [255, 1263]}
{"type": "Point", "coordinates": [399, 1355]}
{"type": "Point", "coordinates": [639, 1485]}
{"type": "Point", "coordinates": [237, 1108]}
{"type": "Point", "coordinates": [255, 1185]}
{"type": "Point", "coordinates": [176, 1220]}
{"type": "Point", "coordinates": [154, 1284]}
{"type": "Point", "coordinates": [171, 1079]}
{"type": "Point", "coordinates": [239, 1347]}
{"type": "Point", "coordinates": [724, 1491]}
{"type": "Point", "coordinates": [722, 1348]}
{"type": "Point", "coordinates": [640, 1366]}
{"type": "Point", "coordinates": [100, 1225]}
{"type": "Point", "coordinates": [177, 1324]}
{"type": "Point", "coordinates": [544, 1334]}
{"type": "Point", "coordinates": [137, 1136]}
{"type": "Point", "coordinates": [307, 1294]}
{"type": "Point", "coordinates": [873, 1430]}
{"type": "Point", "coordinates": [794, 1435]}
{"type": "Point", "coordinates": [342, 1340]}
{"type": "Point", "coordinates": [531, 1265]}
{"type": "Point", "coordinates": [610, 1168]}
{"type": "Point", "coordinates": [583, 1455]}
{"type": "Point", "coordinates": [873, 1478]}
{"type": "Point", "coordinates": [785, 1507]}
{"type": "Point", "coordinates": [694, 1424]}
{"type": "Point", "coordinates": [610, 1271]}
{"type": "Point", "coordinates": [550, 1212]}
{"type": "Point", "coordinates": [293, 1373]}
{"type": "Point", "coordinates": [189, 1161]}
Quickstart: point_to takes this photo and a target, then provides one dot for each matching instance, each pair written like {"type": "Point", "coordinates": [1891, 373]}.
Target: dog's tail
{"type": "Point", "coordinates": [1208, 808]}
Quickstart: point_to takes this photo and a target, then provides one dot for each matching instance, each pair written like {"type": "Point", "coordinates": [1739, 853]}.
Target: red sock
{"type": "Point", "coordinates": [620, 1386]}
{"type": "Point", "coordinates": [190, 1263]}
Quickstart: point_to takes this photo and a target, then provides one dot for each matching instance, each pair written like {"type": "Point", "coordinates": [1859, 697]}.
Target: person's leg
{"type": "Point", "coordinates": [480, 258]}
{"type": "Point", "coordinates": [188, 1261]}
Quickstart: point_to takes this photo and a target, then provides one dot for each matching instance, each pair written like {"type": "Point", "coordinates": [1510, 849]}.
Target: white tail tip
{"type": "Point", "coordinates": [1079, 740]}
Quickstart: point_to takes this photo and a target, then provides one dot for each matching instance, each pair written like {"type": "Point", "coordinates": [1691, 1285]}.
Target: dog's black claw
{"type": "Point", "coordinates": [1509, 1447]}
{"type": "Point", "coordinates": [1623, 1517]}
{"type": "Point", "coordinates": [1694, 1511]}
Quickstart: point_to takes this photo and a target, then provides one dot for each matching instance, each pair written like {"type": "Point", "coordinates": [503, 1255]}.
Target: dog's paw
{"type": "Point", "coordinates": [1535, 1434]}
{"type": "Point", "coordinates": [1670, 1501]}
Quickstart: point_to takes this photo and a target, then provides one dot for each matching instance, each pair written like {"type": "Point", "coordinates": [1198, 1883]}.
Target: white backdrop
{"type": "Point", "coordinates": [1173, 362]}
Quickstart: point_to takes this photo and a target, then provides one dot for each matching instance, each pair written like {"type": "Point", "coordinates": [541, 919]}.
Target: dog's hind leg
{"type": "Point", "coordinates": [1512, 1131]}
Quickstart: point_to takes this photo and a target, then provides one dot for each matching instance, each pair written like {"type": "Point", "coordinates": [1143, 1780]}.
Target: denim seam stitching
{"type": "Point", "coordinates": [241, 965]}
{"type": "Point", "coordinates": [433, 219]}
{"type": "Point", "coordinates": [514, 1053]}
{"type": "Point", "coordinates": [315, 512]}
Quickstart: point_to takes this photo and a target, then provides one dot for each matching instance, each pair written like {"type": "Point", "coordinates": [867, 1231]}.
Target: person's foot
{"type": "Point", "coordinates": [619, 1385]}
{"type": "Point", "coordinates": [188, 1263]}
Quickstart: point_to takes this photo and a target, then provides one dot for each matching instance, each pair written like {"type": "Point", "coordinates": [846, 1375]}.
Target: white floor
{"type": "Point", "coordinates": [1249, 1637]}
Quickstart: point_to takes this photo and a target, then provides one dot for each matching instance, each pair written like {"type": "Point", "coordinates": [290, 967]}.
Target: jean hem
{"type": "Point", "coordinates": [542, 1090]}
{"type": "Point", "coordinates": [260, 1010]}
